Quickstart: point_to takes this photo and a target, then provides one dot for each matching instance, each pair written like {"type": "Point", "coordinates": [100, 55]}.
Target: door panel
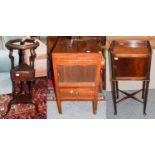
{"type": "Point", "coordinates": [130, 67]}
{"type": "Point", "coordinates": [76, 73]}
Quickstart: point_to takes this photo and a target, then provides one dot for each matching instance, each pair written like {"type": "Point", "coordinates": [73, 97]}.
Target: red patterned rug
{"type": "Point", "coordinates": [25, 111]}
{"type": "Point", "coordinates": [51, 93]}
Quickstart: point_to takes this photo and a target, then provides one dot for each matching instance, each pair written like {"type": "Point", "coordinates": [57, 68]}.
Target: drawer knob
{"type": "Point", "coordinates": [71, 91]}
{"type": "Point", "coordinates": [100, 52]}
{"type": "Point", "coordinates": [115, 58]}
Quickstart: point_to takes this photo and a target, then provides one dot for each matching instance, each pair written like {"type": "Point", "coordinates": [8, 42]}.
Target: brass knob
{"type": "Point", "coordinates": [100, 52]}
{"type": "Point", "coordinates": [115, 58]}
{"type": "Point", "coordinates": [71, 91]}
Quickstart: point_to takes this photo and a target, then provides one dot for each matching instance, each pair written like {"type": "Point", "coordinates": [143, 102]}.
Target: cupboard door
{"type": "Point", "coordinates": [130, 67]}
{"type": "Point", "coordinates": [76, 73]}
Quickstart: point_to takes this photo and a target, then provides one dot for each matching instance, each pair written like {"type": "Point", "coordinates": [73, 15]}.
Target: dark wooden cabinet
{"type": "Point", "coordinates": [76, 65]}
{"type": "Point", "coordinates": [130, 60]}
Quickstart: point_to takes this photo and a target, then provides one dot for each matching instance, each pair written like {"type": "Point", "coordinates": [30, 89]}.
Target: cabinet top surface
{"type": "Point", "coordinates": [76, 46]}
{"type": "Point", "coordinates": [130, 48]}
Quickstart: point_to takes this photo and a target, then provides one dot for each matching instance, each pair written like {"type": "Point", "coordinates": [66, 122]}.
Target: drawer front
{"type": "Point", "coordinates": [23, 76]}
{"type": "Point", "coordinates": [77, 93]}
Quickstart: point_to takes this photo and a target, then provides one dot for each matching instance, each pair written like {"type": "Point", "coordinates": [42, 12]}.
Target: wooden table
{"type": "Point", "coordinates": [77, 65]}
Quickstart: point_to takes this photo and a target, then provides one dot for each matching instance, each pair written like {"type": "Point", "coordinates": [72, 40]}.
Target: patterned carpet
{"type": "Point", "coordinates": [25, 111]}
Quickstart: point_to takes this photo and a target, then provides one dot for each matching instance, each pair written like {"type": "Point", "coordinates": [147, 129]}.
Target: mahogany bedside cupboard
{"type": "Point", "coordinates": [130, 60]}
{"type": "Point", "coordinates": [76, 65]}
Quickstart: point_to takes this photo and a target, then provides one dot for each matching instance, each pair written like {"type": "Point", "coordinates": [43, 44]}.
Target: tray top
{"type": "Point", "coordinates": [132, 48]}
{"type": "Point", "coordinates": [22, 44]}
{"type": "Point", "coordinates": [76, 46]}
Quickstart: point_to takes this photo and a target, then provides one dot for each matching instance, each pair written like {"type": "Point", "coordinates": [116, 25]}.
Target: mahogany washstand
{"type": "Point", "coordinates": [24, 74]}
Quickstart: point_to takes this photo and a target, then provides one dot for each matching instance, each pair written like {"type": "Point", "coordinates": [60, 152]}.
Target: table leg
{"type": "Point", "coordinates": [114, 97]}
{"type": "Point", "coordinates": [143, 89]}
{"type": "Point", "coordinates": [145, 97]}
{"type": "Point", "coordinates": [117, 93]}
{"type": "Point", "coordinates": [59, 106]}
{"type": "Point", "coordinates": [95, 106]}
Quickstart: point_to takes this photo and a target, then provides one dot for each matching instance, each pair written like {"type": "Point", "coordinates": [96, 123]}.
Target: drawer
{"type": "Point", "coordinates": [22, 75]}
{"type": "Point", "coordinates": [77, 93]}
